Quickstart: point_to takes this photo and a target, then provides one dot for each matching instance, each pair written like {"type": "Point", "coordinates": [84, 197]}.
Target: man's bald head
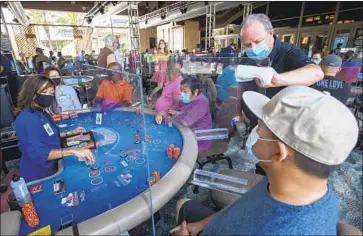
{"type": "Point", "coordinates": [174, 70]}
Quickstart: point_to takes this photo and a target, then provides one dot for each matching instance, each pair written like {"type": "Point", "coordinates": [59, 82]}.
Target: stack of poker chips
{"type": "Point", "coordinates": [173, 152]}
{"type": "Point", "coordinates": [30, 214]}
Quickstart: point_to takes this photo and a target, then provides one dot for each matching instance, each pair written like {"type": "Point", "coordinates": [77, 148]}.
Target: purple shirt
{"type": "Point", "coordinates": [170, 95]}
{"type": "Point", "coordinates": [195, 115]}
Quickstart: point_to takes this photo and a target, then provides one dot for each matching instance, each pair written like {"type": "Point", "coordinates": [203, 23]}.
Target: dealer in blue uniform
{"type": "Point", "coordinates": [39, 138]}
{"type": "Point", "coordinates": [292, 66]}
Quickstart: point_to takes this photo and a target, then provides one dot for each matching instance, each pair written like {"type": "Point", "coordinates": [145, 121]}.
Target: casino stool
{"type": "Point", "coordinates": [222, 199]}
{"type": "Point", "coordinates": [212, 155]}
{"type": "Point", "coordinates": [10, 222]}
{"type": "Point", "coordinates": [347, 229]}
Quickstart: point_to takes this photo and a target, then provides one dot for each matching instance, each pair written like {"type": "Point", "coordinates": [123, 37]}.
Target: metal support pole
{"type": "Point", "coordinates": [267, 8]}
{"type": "Point", "coordinates": [133, 13]}
{"type": "Point", "coordinates": [333, 28]}
{"type": "Point", "coordinates": [298, 36]}
{"type": "Point", "coordinates": [247, 10]}
{"type": "Point", "coordinates": [210, 24]}
{"type": "Point", "coordinates": [111, 26]}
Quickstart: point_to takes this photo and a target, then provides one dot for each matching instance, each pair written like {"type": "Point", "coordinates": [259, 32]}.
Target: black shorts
{"type": "Point", "coordinates": [193, 211]}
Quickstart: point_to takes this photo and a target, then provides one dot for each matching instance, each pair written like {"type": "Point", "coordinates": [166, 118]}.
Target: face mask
{"type": "Point", "coordinates": [316, 61]}
{"type": "Point", "coordinates": [185, 98]}
{"type": "Point", "coordinates": [251, 141]}
{"type": "Point", "coordinates": [44, 100]}
{"type": "Point", "coordinates": [259, 52]}
{"type": "Point", "coordinates": [56, 80]}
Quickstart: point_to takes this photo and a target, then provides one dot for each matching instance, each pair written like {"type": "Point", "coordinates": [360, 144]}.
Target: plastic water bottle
{"type": "Point", "coordinates": [25, 201]}
{"type": "Point", "coordinates": [20, 190]}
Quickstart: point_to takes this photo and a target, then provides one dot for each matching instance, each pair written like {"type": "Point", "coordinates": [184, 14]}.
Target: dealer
{"type": "Point", "coordinates": [292, 66]}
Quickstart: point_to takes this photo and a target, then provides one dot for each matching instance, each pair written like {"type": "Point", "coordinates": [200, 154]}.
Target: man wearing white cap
{"type": "Point", "coordinates": [298, 143]}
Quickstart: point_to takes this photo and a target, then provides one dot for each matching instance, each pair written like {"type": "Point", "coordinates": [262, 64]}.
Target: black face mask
{"type": "Point", "coordinates": [56, 80]}
{"type": "Point", "coordinates": [44, 100]}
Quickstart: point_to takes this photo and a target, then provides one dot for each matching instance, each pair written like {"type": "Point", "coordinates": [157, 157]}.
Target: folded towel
{"type": "Point", "coordinates": [248, 73]}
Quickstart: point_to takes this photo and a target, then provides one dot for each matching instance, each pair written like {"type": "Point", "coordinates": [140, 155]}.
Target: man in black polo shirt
{"type": "Point", "coordinates": [292, 66]}
{"type": "Point", "coordinates": [336, 87]}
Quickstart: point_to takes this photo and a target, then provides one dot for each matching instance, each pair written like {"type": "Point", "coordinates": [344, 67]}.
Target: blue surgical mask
{"type": "Point", "coordinates": [258, 52]}
{"type": "Point", "coordinates": [316, 61]}
{"type": "Point", "coordinates": [185, 98]}
{"type": "Point", "coordinates": [250, 143]}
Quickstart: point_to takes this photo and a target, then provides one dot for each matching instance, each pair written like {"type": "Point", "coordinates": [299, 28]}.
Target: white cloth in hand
{"type": "Point", "coordinates": [247, 73]}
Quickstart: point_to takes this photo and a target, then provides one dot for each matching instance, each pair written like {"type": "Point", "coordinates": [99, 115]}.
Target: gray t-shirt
{"type": "Point", "coordinates": [257, 213]}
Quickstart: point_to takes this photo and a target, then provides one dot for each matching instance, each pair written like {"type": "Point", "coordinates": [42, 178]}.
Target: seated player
{"type": "Point", "coordinates": [171, 91]}
{"type": "Point", "coordinates": [224, 81]}
{"type": "Point", "coordinates": [39, 137]}
{"type": "Point", "coordinates": [192, 110]}
{"type": "Point", "coordinates": [331, 65]}
{"type": "Point", "coordinates": [298, 143]}
{"type": "Point", "coordinates": [65, 95]}
{"type": "Point", "coordinates": [114, 92]}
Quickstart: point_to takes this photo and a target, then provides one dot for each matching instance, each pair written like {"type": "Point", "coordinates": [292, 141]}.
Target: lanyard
{"type": "Point", "coordinates": [50, 120]}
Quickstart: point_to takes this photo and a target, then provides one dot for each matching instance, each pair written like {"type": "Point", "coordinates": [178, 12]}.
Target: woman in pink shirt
{"type": "Point", "coordinates": [171, 91]}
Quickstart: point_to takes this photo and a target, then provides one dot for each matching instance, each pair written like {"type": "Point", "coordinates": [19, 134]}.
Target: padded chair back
{"type": "Point", "coordinates": [210, 91]}
{"type": "Point", "coordinates": [347, 229]}
{"type": "Point", "coordinates": [228, 109]}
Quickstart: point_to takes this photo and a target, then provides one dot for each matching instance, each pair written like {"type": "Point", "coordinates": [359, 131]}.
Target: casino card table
{"type": "Point", "coordinates": [115, 197]}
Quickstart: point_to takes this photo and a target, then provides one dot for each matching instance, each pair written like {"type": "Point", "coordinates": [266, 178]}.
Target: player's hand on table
{"type": "Point", "coordinates": [173, 112]}
{"type": "Point", "coordinates": [182, 230]}
{"type": "Point", "coordinates": [84, 154]}
{"type": "Point", "coordinates": [159, 118]}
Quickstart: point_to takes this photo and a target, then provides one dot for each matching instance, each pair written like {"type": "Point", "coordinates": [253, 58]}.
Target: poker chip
{"type": "Point", "coordinates": [95, 167]}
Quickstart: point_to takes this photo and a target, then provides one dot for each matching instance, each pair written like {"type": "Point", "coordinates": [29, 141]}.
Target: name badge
{"type": "Point", "coordinates": [98, 118]}
{"type": "Point", "coordinates": [48, 129]}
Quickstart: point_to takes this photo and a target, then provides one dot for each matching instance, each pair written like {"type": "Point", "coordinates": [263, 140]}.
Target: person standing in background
{"type": "Point", "coordinates": [336, 87]}
{"type": "Point", "coordinates": [40, 61]}
{"type": "Point", "coordinates": [336, 51]}
{"type": "Point", "coordinates": [107, 54]}
{"type": "Point", "coordinates": [316, 57]}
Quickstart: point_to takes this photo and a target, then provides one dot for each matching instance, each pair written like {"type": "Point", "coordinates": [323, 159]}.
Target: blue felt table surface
{"type": "Point", "coordinates": [119, 127]}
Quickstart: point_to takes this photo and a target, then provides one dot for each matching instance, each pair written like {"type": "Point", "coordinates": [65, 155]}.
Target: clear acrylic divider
{"type": "Point", "coordinates": [211, 134]}
{"type": "Point", "coordinates": [222, 78]}
{"type": "Point", "coordinates": [223, 183]}
{"type": "Point", "coordinates": [113, 108]}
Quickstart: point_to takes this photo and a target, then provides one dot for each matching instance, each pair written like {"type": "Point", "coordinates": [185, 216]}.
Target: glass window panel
{"type": "Point", "coordinates": [281, 10]}
{"type": "Point", "coordinates": [261, 9]}
{"type": "Point", "coordinates": [319, 7]}
{"type": "Point", "coordinates": [325, 19]}
{"type": "Point", "coordinates": [350, 4]}
{"type": "Point", "coordinates": [284, 23]}
{"type": "Point", "coordinates": [350, 16]}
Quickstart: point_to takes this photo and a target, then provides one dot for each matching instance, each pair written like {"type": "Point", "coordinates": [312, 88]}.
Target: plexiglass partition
{"type": "Point", "coordinates": [146, 131]}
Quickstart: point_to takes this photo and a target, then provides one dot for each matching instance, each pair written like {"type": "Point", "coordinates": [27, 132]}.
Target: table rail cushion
{"type": "Point", "coordinates": [10, 222]}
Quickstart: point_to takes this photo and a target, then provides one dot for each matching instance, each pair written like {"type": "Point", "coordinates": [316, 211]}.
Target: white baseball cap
{"type": "Point", "coordinates": [311, 122]}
